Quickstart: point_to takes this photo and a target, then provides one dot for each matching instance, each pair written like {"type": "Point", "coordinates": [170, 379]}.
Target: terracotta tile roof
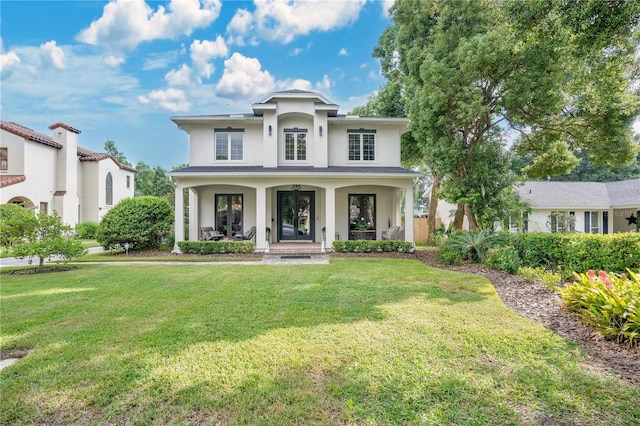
{"type": "Point", "coordinates": [64, 126]}
{"type": "Point", "coordinates": [7, 180]}
{"type": "Point", "coordinates": [25, 132]}
{"type": "Point", "coordinates": [84, 154]}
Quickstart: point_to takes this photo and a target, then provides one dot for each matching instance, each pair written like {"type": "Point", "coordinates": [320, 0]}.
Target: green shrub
{"type": "Point", "coordinates": [448, 256]}
{"type": "Point", "coordinates": [143, 222]}
{"type": "Point", "coordinates": [216, 247]}
{"type": "Point", "coordinates": [87, 230]}
{"type": "Point", "coordinates": [579, 252]}
{"type": "Point", "coordinates": [369, 246]}
{"type": "Point", "coordinates": [16, 224]}
{"type": "Point", "coordinates": [609, 302]}
{"type": "Point", "coordinates": [541, 276]}
{"type": "Point", "coordinates": [504, 259]}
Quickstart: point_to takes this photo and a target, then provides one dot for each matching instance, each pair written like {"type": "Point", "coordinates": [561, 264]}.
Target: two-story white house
{"type": "Point", "coordinates": [294, 166]}
{"type": "Point", "coordinates": [52, 173]}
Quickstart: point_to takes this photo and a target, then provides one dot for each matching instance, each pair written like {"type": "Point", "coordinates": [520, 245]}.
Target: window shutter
{"type": "Point", "coordinates": [587, 222]}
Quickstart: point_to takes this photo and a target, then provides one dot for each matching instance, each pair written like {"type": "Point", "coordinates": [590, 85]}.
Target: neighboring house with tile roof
{"type": "Point", "coordinates": [52, 173]}
{"type": "Point", "coordinates": [595, 207]}
{"type": "Point", "coordinates": [296, 166]}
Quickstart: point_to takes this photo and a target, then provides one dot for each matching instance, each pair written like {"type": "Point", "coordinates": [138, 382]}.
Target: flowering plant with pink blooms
{"type": "Point", "coordinates": [609, 302]}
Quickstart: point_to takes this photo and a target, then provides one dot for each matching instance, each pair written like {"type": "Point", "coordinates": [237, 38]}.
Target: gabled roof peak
{"type": "Point", "coordinates": [295, 94]}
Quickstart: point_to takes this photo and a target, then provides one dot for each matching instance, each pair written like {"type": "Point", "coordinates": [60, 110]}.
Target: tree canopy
{"type": "Point", "coordinates": [474, 76]}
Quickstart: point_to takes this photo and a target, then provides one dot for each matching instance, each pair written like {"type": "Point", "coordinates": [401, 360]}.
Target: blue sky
{"type": "Point", "coordinates": [118, 70]}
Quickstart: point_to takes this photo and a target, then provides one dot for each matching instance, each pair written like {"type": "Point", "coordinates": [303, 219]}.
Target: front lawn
{"type": "Point", "coordinates": [360, 341]}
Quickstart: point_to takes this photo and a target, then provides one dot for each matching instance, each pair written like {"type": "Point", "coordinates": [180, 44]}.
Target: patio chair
{"type": "Point", "coordinates": [209, 234]}
{"type": "Point", "coordinates": [393, 233]}
{"type": "Point", "coordinates": [248, 235]}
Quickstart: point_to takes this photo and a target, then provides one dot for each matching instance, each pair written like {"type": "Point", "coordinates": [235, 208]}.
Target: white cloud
{"type": "Point", "coordinates": [386, 4]}
{"type": "Point", "coordinates": [127, 23]}
{"type": "Point", "coordinates": [173, 100]}
{"type": "Point", "coordinates": [113, 61]}
{"type": "Point", "coordinates": [52, 55]}
{"type": "Point", "coordinates": [181, 77]}
{"type": "Point", "coordinates": [343, 52]}
{"type": "Point", "coordinates": [296, 51]}
{"type": "Point", "coordinates": [284, 20]}
{"type": "Point", "coordinates": [203, 51]}
{"type": "Point", "coordinates": [322, 86]}
{"type": "Point", "coordinates": [240, 25]}
{"type": "Point", "coordinates": [8, 61]}
{"type": "Point", "coordinates": [243, 78]}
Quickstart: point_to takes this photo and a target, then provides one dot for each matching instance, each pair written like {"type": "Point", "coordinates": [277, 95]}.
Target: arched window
{"type": "Point", "coordinates": [109, 187]}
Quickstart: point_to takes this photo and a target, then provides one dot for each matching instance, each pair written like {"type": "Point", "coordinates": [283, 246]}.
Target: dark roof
{"type": "Point", "coordinates": [295, 170]}
{"type": "Point", "coordinates": [580, 195]}
{"type": "Point", "coordinates": [32, 135]}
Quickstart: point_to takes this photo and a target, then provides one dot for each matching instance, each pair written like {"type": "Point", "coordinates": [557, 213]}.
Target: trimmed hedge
{"type": "Point", "coordinates": [579, 252]}
{"type": "Point", "coordinates": [216, 247]}
{"type": "Point", "coordinates": [369, 246]}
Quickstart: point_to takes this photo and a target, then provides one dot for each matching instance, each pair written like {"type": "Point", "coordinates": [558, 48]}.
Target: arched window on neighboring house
{"type": "Point", "coordinates": [109, 188]}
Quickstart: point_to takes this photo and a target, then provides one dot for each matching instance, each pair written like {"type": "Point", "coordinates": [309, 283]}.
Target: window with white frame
{"type": "Point", "coordinates": [229, 144]}
{"type": "Point", "coordinates": [362, 145]}
{"type": "Point", "coordinates": [591, 222]}
{"type": "Point", "coordinates": [560, 221]}
{"type": "Point", "coordinates": [295, 144]}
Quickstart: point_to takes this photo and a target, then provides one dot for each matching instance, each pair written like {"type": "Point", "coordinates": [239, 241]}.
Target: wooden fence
{"type": "Point", "coordinates": [420, 228]}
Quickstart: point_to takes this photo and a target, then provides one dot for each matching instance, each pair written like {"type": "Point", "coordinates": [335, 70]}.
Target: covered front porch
{"type": "Point", "coordinates": [299, 210]}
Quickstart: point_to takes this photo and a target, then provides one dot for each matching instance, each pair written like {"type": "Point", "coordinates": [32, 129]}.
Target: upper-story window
{"type": "Point", "coordinates": [4, 158]}
{"type": "Point", "coordinates": [295, 144]}
{"type": "Point", "coordinates": [229, 144]}
{"type": "Point", "coordinates": [362, 145]}
{"type": "Point", "coordinates": [109, 189]}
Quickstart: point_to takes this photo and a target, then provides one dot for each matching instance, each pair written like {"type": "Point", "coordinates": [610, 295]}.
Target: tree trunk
{"type": "Point", "coordinates": [40, 264]}
{"type": "Point", "coordinates": [433, 206]}
{"type": "Point", "coordinates": [458, 219]}
{"type": "Point", "coordinates": [473, 224]}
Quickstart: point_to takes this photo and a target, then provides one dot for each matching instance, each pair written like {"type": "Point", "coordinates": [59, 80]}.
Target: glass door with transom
{"type": "Point", "coordinates": [295, 215]}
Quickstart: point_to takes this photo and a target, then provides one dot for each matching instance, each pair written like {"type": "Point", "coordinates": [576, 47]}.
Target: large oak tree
{"type": "Point", "coordinates": [539, 74]}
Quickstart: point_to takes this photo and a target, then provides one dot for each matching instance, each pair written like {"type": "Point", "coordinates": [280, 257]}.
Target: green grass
{"type": "Point", "coordinates": [359, 341]}
{"type": "Point", "coordinates": [89, 243]}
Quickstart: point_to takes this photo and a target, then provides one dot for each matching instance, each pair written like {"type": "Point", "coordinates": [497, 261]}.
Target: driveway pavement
{"type": "Point", "coordinates": [14, 261]}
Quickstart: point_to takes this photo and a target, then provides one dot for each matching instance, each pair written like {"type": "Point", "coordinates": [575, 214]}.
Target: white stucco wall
{"type": "Point", "coordinates": [387, 142]}
{"type": "Point", "coordinates": [38, 165]}
{"type": "Point", "coordinates": [120, 190]}
{"type": "Point", "coordinates": [538, 219]}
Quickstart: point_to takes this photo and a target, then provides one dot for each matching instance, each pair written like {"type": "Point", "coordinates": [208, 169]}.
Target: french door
{"type": "Point", "coordinates": [229, 214]}
{"type": "Point", "coordinates": [295, 216]}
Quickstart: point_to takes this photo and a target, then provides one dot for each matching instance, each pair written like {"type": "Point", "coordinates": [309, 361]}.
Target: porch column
{"type": "Point", "coordinates": [408, 213]}
{"type": "Point", "coordinates": [261, 221]}
{"type": "Point", "coordinates": [396, 220]}
{"type": "Point", "coordinates": [330, 217]}
{"type": "Point", "coordinates": [179, 217]}
{"type": "Point", "coordinates": [193, 215]}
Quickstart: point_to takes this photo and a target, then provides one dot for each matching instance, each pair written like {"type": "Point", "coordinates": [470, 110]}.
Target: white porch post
{"type": "Point", "coordinates": [193, 215]}
{"type": "Point", "coordinates": [261, 221]}
{"type": "Point", "coordinates": [408, 213]}
{"type": "Point", "coordinates": [179, 217]}
{"type": "Point", "coordinates": [330, 217]}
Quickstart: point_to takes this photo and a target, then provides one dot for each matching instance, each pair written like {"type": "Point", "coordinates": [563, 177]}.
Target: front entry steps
{"type": "Point", "coordinates": [295, 253]}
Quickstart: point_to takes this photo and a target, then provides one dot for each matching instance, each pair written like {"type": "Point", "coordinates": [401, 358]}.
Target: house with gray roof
{"type": "Point", "coordinates": [296, 170]}
{"type": "Point", "coordinates": [594, 207]}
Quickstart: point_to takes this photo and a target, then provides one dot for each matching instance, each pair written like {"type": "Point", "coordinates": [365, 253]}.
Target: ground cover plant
{"type": "Point", "coordinates": [609, 302]}
{"type": "Point", "coordinates": [350, 342]}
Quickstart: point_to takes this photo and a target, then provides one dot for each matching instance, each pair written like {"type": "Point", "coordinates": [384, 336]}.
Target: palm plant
{"type": "Point", "coordinates": [473, 245]}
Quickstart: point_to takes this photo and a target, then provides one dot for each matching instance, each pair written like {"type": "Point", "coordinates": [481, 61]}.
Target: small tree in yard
{"type": "Point", "coordinates": [51, 237]}
{"type": "Point", "coordinates": [143, 222]}
{"type": "Point", "coordinates": [17, 223]}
